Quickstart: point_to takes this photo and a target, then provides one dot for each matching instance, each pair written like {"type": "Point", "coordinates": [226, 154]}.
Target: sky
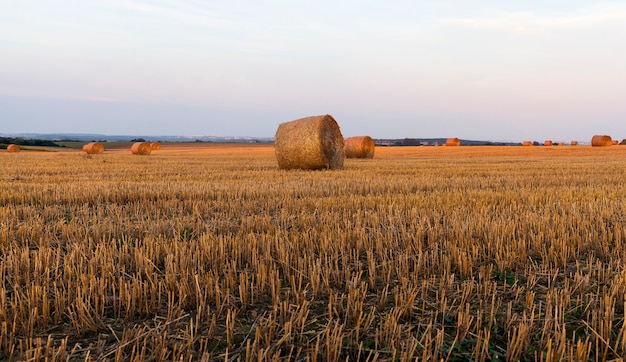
{"type": "Point", "coordinates": [482, 70]}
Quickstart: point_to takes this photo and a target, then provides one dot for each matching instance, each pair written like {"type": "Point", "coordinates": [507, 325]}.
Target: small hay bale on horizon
{"type": "Point", "coordinates": [359, 147]}
{"type": "Point", "coordinates": [527, 143]}
{"type": "Point", "coordinates": [453, 142]}
{"type": "Point", "coordinates": [13, 148]}
{"type": "Point", "coordinates": [601, 141]}
{"type": "Point", "coordinates": [309, 143]}
{"type": "Point", "coordinates": [547, 143]}
{"type": "Point", "coordinates": [93, 148]}
{"type": "Point", "coordinates": [141, 148]}
{"type": "Point", "coordinates": [574, 143]}
{"type": "Point", "coordinates": [615, 142]}
{"type": "Point", "coordinates": [155, 146]}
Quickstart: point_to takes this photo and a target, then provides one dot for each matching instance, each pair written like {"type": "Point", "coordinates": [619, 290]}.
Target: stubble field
{"type": "Point", "coordinates": [209, 252]}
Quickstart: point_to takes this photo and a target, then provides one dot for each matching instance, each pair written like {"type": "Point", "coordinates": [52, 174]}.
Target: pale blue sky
{"type": "Point", "coordinates": [497, 70]}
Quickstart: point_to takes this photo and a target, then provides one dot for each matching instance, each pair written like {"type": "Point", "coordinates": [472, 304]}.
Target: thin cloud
{"type": "Point", "coordinates": [526, 23]}
{"type": "Point", "coordinates": [178, 11]}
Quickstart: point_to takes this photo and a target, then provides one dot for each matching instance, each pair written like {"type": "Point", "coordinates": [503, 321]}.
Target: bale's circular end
{"type": "Point", "coordinates": [155, 146]}
{"type": "Point", "coordinates": [359, 147]}
{"type": "Point", "coordinates": [93, 148]}
{"type": "Point", "coordinates": [141, 148]}
{"type": "Point", "coordinates": [12, 148]}
{"type": "Point", "coordinates": [601, 141]}
{"type": "Point", "coordinates": [309, 143]}
{"type": "Point", "coordinates": [453, 142]}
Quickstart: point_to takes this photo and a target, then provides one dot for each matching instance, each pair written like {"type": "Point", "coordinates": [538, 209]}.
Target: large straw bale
{"type": "Point", "coordinates": [601, 141]}
{"type": "Point", "coordinates": [547, 143]}
{"type": "Point", "coordinates": [359, 147]}
{"type": "Point", "coordinates": [309, 143]}
{"type": "Point", "coordinates": [155, 146]}
{"type": "Point", "coordinates": [93, 148]}
{"type": "Point", "coordinates": [13, 148]}
{"type": "Point", "coordinates": [141, 148]}
{"type": "Point", "coordinates": [527, 143]}
{"type": "Point", "coordinates": [453, 142]}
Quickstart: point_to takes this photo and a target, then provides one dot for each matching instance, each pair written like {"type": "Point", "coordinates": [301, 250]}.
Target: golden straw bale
{"type": "Point", "coordinates": [547, 143]}
{"type": "Point", "coordinates": [309, 143]}
{"type": "Point", "coordinates": [155, 146]}
{"type": "Point", "coordinates": [574, 143]}
{"type": "Point", "coordinates": [527, 143]}
{"type": "Point", "coordinates": [13, 148]}
{"type": "Point", "coordinates": [93, 148]}
{"type": "Point", "coordinates": [141, 148]}
{"type": "Point", "coordinates": [615, 142]}
{"type": "Point", "coordinates": [601, 141]}
{"type": "Point", "coordinates": [453, 142]}
{"type": "Point", "coordinates": [359, 147]}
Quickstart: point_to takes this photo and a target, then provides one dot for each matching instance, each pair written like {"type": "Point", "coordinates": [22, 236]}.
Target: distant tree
{"type": "Point", "coordinates": [138, 140]}
{"type": "Point", "coordinates": [27, 142]}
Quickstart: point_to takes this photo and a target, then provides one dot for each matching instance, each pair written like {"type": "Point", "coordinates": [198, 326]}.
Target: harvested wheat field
{"type": "Point", "coordinates": [211, 252]}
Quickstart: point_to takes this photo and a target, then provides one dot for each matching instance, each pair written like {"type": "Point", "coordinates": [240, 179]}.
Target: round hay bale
{"type": "Point", "coordinates": [527, 143]}
{"type": "Point", "coordinates": [615, 142]}
{"type": "Point", "coordinates": [309, 143]}
{"type": "Point", "coordinates": [601, 141]}
{"type": "Point", "coordinates": [574, 143]}
{"type": "Point", "coordinates": [359, 147]}
{"type": "Point", "coordinates": [155, 146]}
{"type": "Point", "coordinates": [453, 142]}
{"type": "Point", "coordinates": [141, 148]}
{"type": "Point", "coordinates": [12, 148]}
{"type": "Point", "coordinates": [93, 148]}
{"type": "Point", "coordinates": [547, 143]}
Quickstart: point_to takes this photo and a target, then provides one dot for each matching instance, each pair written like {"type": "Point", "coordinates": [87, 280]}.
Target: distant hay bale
{"type": "Point", "coordinates": [547, 143]}
{"type": "Point", "coordinates": [309, 143]}
{"type": "Point", "coordinates": [453, 142]}
{"type": "Point", "coordinates": [574, 143]}
{"type": "Point", "coordinates": [359, 147]}
{"type": "Point", "coordinates": [12, 148]}
{"type": "Point", "coordinates": [93, 148]}
{"type": "Point", "coordinates": [527, 143]}
{"type": "Point", "coordinates": [155, 146]}
{"type": "Point", "coordinates": [601, 141]}
{"type": "Point", "coordinates": [141, 148]}
{"type": "Point", "coordinates": [615, 142]}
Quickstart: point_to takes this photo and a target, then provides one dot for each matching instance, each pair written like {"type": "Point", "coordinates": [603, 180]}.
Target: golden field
{"type": "Point", "coordinates": [210, 252]}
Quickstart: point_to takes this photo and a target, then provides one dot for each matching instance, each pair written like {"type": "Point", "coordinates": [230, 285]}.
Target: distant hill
{"type": "Point", "coordinates": [437, 142]}
{"type": "Point", "coordinates": [89, 137]}
{"type": "Point", "coordinates": [24, 138]}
